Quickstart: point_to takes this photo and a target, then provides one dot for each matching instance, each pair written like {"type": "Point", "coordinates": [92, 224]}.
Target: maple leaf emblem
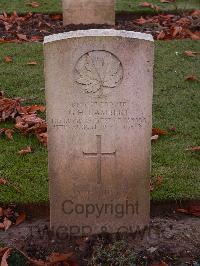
{"type": "Point", "coordinates": [98, 72]}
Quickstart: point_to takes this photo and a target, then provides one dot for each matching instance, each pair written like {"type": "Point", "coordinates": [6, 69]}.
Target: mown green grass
{"type": "Point", "coordinates": [176, 104]}
{"type": "Point", "coordinates": [55, 6]}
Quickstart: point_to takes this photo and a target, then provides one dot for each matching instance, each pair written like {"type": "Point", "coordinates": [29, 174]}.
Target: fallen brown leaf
{"type": "Point", "coordinates": [196, 13]}
{"type": "Point", "coordinates": [43, 138]}
{"type": "Point", "coordinates": [191, 53]}
{"type": "Point", "coordinates": [7, 223]}
{"type": "Point", "coordinates": [155, 7]}
{"type": "Point", "coordinates": [2, 251]}
{"type": "Point", "coordinates": [33, 63]}
{"type": "Point", "coordinates": [56, 17]}
{"type": "Point", "coordinates": [146, 4]}
{"type": "Point", "coordinates": [21, 218]}
{"type": "Point", "coordinates": [36, 38]}
{"type": "Point", "coordinates": [26, 150]}
{"type": "Point", "coordinates": [155, 137]}
{"type": "Point", "coordinates": [22, 37]}
{"type": "Point", "coordinates": [194, 149]}
{"type": "Point", "coordinates": [159, 180]}
{"type": "Point", "coordinates": [161, 35]}
{"type": "Point", "coordinates": [2, 226]}
{"type": "Point", "coordinates": [158, 131]}
{"type": "Point", "coordinates": [193, 209]}
{"type": "Point", "coordinates": [58, 257]}
{"type": "Point", "coordinates": [32, 109]}
{"type": "Point", "coordinates": [192, 78]}
{"type": "Point", "coordinates": [156, 182]}
{"type": "Point", "coordinates": [161, 263]}
{"type": "Point", "coordinates": [167, 1]}
{"type": "Point", "coordinates": [1, 213]}
{"type": "Point", "coordinates": [8, 59]}
{"type": "Point", "coordinates": [1, 94]}
{"type": "Point", "coordinates": [5, 257]}
{"type": "Point", "coordinates": [34, 4]}
{"type": "Point", "coordinates": [176, 30]}
{"type": "Point", "coordinates": [9, 133]}
{"type": "Point", "coordinates": [151, 186]}
{"type": "Point", "coordinates": [8, 212]}
{"type": "Point", "coordinates": [141, 21]}
{"type": "Point", "coordinates": [3, 181]}
{"type": "Point", "coordinates": [192, 35]}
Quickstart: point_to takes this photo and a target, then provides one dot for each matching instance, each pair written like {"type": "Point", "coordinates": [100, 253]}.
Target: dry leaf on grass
{"type": "Point", "coordinates": [158, 131]}
{"type": "Point", "coordinates": [191, 53]}
{"type": "Point", "coordinates": [7, 132]}
{"type": "Point", "coordinates": [43, 138]}
{"type": "Point", "coordinates": [146, 4]}
{"type": "Point", "coordinates": [158, 180]}
{"type": "Point", "coordinates": [34, 4]}
{"type": "Point", "coordinates": [155, 137]}
{"type": "Point", "coordinates": [32, 63]}
{"type": "Point", "coordinates": [26, 150]}
{"type": "Point", "coordinates": [8, 59]}
{"type": "Point", "coordinates": [197, 148]}
{"type": "Point", "coordinates": [167, 1]}
{"type": "Point", "coordinates": [3, 182]}
{"type": "Point", "coordinates": [151, 186]}
{"type": "Point", "coordinates": [26, 118]}
{"type": "Point", "coordinates": [192, 78]}
{"type": "Point", "coordinates": [9, 108]}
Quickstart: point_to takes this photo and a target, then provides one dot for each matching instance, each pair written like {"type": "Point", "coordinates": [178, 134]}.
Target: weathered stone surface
{"type": "Point", "coordinates": [89, 12]}
{"type": "Point", "coordinates": [99, 87]}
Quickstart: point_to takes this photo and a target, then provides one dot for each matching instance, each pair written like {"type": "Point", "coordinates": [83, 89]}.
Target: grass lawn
{"type": "Point", "coordinates": [54, 6]}
{"type": "Point", "coordinates": [176, 104]}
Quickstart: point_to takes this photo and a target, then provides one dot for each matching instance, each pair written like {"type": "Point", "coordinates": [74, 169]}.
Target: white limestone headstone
{"type": "Point", "coordinates": [88, 12]}
{"type": "Point", "coordinates": [99, 87]}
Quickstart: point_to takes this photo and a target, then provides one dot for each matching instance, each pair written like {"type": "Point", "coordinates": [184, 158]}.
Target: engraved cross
{"type": "Point", "coordinates": [99, 155]}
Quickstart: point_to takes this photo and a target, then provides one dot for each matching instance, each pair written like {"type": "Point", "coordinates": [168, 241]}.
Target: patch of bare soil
{"type": "Point", "coordinates": [33, 27]}
{"type": "Point", "coordinates": [171, 240]}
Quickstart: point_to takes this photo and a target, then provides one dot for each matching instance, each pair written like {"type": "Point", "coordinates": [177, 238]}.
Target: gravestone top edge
{"type": "Point", "coordinates": [98, 33]}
